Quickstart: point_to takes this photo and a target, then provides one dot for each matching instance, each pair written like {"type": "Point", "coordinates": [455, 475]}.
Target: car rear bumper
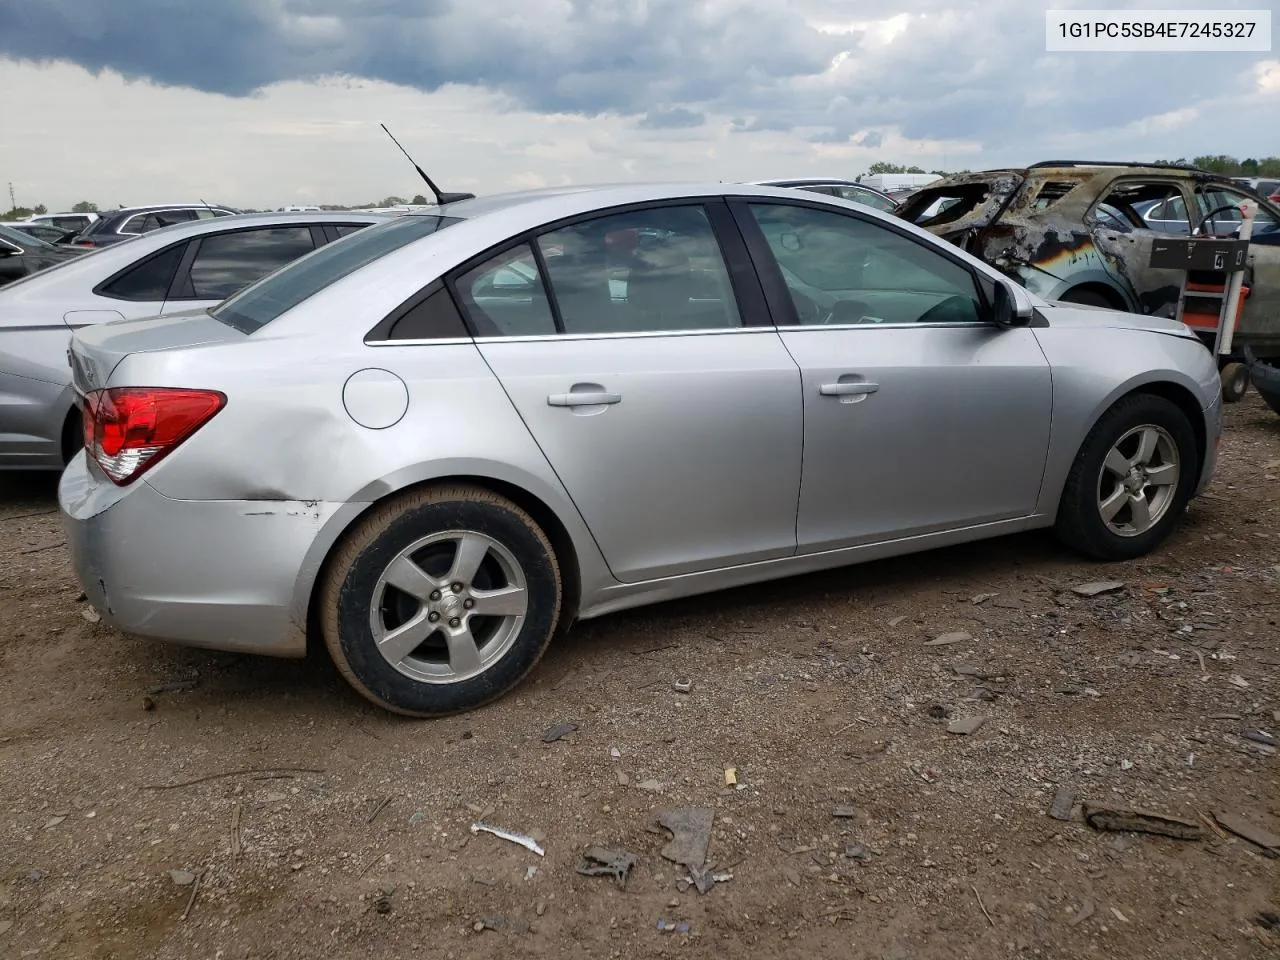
{"type": "Point", "coordinates": [218, 574]}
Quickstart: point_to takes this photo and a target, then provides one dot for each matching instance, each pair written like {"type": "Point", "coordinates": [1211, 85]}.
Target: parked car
{"type": "Point", "coordinates": [680, 389]}
{"type": "Point", "coordinates": [1082, 232]}
{"type": "Point", "coordinates": [834, 187]}
{"type": "Point", "coordinates": [22, 254]}
{"type": "Point", "coordinates": [73, 222]}
{"type": "Point", "coordinates": [43, 231]}
{"type": "Point", "coordinates": [193, 265]}
{"type": "Point", "coordinates": [1268, 187]}
{"type": "Point", "coordinates": [129, 222]}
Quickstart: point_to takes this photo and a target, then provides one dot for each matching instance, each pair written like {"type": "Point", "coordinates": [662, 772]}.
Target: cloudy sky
{"type": "Point", "coordinates": [269, 102]}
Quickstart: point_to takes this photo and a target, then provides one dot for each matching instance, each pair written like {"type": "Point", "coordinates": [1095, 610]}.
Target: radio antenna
{"type": "Point", "coordinates": [441, 198]}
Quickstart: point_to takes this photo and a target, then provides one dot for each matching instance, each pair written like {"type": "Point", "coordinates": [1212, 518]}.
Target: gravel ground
{"type": "Point", "coordinates": [171, 803]}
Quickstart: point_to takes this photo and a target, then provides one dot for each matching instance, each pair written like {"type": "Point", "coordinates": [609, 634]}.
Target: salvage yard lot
{"type": "Point", "coordinates": [346, 832]}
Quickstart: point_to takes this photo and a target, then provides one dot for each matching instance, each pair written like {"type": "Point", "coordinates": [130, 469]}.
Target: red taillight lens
{"type": "Point", "coordinates": [128, 430]}
{"type": "Point", "coordinates": [83, 243]}
{"type": "Point", "coordinates": [1275, 197]}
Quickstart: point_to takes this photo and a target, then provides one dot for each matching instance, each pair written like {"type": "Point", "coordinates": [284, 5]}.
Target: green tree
{"type": "Point", "coordinates": [18, 213]}
{"type": "Point", "coordinates": [391, 201]}
{"type": "Point", "coordinates": [85, 206]}
{"type": "Point", "coordinates": [40, 209]}
{"type": "Point", "coordinates": [419, 199]}
{"type": "Point", "coordinates": [881, 166]}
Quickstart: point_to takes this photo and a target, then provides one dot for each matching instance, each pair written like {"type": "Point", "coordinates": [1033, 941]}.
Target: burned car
{"type": "Point", "coordinates": [1082, 232]}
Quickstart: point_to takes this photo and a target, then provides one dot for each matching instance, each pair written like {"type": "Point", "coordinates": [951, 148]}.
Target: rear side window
{"type": "Point", "coordinates": [505, 296]}
{"type": "Point", "coordinates": [264, 301]}
{"type": "Point", "coordinates": [343, 229]}
{"type": "Point", "coordinates": [148, 280]}
{"type": "Point", "coordinates": [228, 262]}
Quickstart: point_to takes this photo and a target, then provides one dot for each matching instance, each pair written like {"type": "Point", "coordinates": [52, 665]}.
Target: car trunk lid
{"type": "Point", "coordinates": [96, 351]}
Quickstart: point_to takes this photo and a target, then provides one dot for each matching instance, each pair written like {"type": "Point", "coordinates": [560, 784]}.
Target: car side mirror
{"type": "Point", "coordinates": [1008, 309]}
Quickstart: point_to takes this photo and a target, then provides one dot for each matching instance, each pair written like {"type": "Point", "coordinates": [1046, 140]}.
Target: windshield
{"type": "Point", "coordinates": [24, 240]}
{"type": "Point", "coordinates": [257, 305]}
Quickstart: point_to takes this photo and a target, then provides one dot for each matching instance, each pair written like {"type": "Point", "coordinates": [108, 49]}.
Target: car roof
{"type": "Point", "coordinates": [819, 182]}
{"type": "Point", "coordinates": [143, 208]}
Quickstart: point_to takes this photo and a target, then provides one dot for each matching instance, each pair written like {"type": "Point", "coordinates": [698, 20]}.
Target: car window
{"type": "Point", "coordinates": [842, 269]}
{"type": "Point", "coordinates": [146, 222]}
{"type": "Point", "coordinates": [817, 188]}
{"type": "Point", "coordinates": [1219, 205]}
{"type": "Point", "coordinates": [1111, 218]}
{"type": "Point", "coordinates": [264, 301]}
{"type": "Point", "coordinates": [504, 296]}
{"type": "Point", "coordinates": [343, 229]}
{"type": "Point", "coordinates": [866, 197]}
{"type": "Point", "coordinates": [645, 270]}
{"type": "Point", "coordinates": [22, 240]}
{"type": "Point", "coordinates": [225, 263]}
{"type": "Point", "coordinates": [146, 281]}
{"type": "Point", "coordinates": [1147, 205]}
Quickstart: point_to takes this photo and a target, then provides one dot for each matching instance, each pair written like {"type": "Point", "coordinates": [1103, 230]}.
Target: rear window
{"type": "Point", "coordinates": [940, 205]}
{"type": "Point", "coordinates": [259, 304]}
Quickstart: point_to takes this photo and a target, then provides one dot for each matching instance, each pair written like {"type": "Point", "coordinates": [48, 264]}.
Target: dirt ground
{"type": "Point", "coordinates": [859, 826]}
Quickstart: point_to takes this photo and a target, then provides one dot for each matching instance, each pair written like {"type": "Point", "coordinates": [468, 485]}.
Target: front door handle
{"type": "Point", "coordinates": [854, 388]}
{"type": "Point", "coordinates": [584, 398]}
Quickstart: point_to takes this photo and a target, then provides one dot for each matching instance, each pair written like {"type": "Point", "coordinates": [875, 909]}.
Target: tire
{"type": "Point", "coordinates": [1088, 298]}
{"type": "Point", "coordinates": [414, 541]}
{"type": "Point", "coordinates": [1096, 480]}
{"type": "Point", "coordinates": [1235, 382]}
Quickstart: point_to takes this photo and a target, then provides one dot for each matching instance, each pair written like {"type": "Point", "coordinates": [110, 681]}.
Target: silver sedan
{"type": "Point", "coordinates": [191, 265]}
{"type": "Point", "coordinates": [433, 443]}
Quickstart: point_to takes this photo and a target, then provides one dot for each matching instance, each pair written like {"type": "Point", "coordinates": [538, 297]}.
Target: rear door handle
{"type": "Point", "coordinates": [583, 399]}
{"type": "Point", "coordinates": [856, 388]}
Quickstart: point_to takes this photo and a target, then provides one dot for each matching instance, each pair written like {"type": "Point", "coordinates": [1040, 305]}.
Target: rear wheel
{"type": "Point", "coordinates": [440, 601]}
{"type": "Point", "coordinates": [1235, 382]}
{"type": "Point", "coordinates": [1130, 481]}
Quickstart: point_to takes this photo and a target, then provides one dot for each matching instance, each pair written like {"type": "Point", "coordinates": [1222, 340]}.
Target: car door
{"type": "Point", "coordinates": [919, 415]}
{"type": "Point", "coordinates": [1218, 214]}
{"type": "Point", "coordinates": [1127, 239]}
{"type": "Point", "coordinates": [216, 265]}
{"type": "Point", "coordinates": [652, 379]}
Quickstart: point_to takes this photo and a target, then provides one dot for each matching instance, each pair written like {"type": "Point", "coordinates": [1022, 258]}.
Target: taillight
{"type": "Point", "coordinates": [83, 243]}
{"type": "Point", "coordinates": [128, 430]}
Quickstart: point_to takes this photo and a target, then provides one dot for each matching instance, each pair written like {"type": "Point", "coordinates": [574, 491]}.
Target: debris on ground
{"type": "Point", "coordinates": [963, 726]}
{"type": "Point", "coordinates": [946, 639]}
{"type": "Point", "coordinates": [897, 621]}
{"type": "Point", "coordinates": [983, 598]}
{"type": "Point", "coordinates": [1097, 588]}
{"type": "Point", "coordinates": [1266, 919]}
{"type": "Point", "coordinates": [691, 835]}
{"type": "Point", "coordinates": [856, 851]}
{"type": "Point", "coordinates": [730, 776]}
{"type": "Point", "coordinates": [704, 878]}
{"type": "Point", "coordinates": [90, 614]}
{"type": "Point", "coordinates": [669, 926]}
{"type": "Point", "coordinates": [174, 686]}
{"type": "Point", "coordinates": [844, 811]}
{"type": "Point", "coordinates": [1259, 836]}
{"type": "Point", "coordinates": [1084, 913]}
{"type": "Point", "coordinates": [527, 842]}
{"type": "Point", "coordinates": [682, 686]}
{"type": "Point", "coordinates": [1119, 819]}
{"type": "Point", "coordinates": [601, 862]}
{"type": "Point", "coordinates": [976, 671]}
{"type": "Point", "coordinates": [501, 923]}
{"type": "Point", "coordinates": [182, 878]}
{"type": "Point", "coordinates": [650, 786]}
{"type": "Point", "coordinates": [1064, 802]}
{"type": "Point", "coordinates": [382, 902]}
{"type": "Point", "coordinates": [1259, 736]}
{"type": "Point", "coordinates": [559, 732]}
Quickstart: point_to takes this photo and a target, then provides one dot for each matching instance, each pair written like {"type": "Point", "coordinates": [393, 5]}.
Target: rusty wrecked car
{"type": "Point", "coordinates": [1082, 232]}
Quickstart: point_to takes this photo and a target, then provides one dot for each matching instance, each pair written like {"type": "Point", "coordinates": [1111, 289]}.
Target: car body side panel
{"type": "Point", "coordinates": [1090, 373]}
{"type": "Point", "coordinates": [954, 434]}
{"type": "Point", "coordinates": [698, 464]}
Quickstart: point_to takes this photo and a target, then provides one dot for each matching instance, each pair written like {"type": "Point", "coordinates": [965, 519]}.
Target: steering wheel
{"type": "Point", "coordinates": [1208, 217]}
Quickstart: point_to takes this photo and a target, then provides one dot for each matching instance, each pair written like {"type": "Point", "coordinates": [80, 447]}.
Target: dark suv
{"type": "Point", "coordinates": [117, 225]}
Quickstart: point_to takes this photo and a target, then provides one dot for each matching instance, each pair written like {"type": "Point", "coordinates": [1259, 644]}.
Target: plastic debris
{"type": "Point", "coordinates": [1141, 821]}
{"type": "Point", "coordinates": [682, 686]}
{"type": "Point", "coordinates": [963, 726]}
{"type": "Point", "coordinates": [1098, 588]}
{"type": "Point", "coordinates": [527, 842]}
{"type": "Point", "coordinates": [730, 776]}
{"type": "Point", "coordinates": [601, 862]}
{"type": "Point", "coordinates": [946, 639]}
{"type": "Point", "coordinates": [1064, 802]}
{"type": "Point", "coordinates": [691, 835]}
{"type": "Point", "coordinates": [1268, 841]}
{"type": "Point", "coordinates": [670, 926]}
{"type": "Point", "coordinates": [559, 732]}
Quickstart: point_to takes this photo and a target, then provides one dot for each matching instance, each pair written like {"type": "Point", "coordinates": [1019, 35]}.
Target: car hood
{"type": "Point", "coordinates": [1062, 314]}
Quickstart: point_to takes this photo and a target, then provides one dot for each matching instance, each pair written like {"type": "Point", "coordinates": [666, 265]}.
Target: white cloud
{"type": "Point", "coordinates": [1267, 74]}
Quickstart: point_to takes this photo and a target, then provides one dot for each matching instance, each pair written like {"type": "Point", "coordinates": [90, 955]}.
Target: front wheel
{"type": "Point", "coordinates": [1130, 481]}
{"type": "Point", "coordinates": [440, 601]}
{"type": "Point", "coordinates": [1235, 382]}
